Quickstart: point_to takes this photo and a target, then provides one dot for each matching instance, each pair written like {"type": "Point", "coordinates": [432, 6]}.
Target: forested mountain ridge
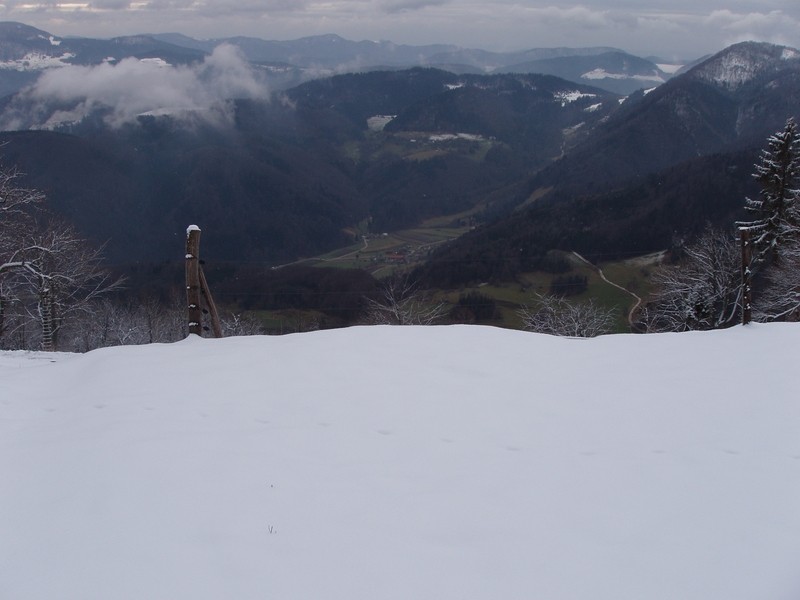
{"type": "Point", "coordinates": [606, 222]}
{"type": "Point", "coordinates": [311, 168]}
{"type": "Point", "coordinates": [295, 175]}
{"type": "Point", "coordinates": [661, 167]}
{"type": "Point", "coordinates": [732, 100]}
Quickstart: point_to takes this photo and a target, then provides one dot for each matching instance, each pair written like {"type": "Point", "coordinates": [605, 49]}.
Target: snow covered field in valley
{"type": "Point", "coordinates": [383, 463]}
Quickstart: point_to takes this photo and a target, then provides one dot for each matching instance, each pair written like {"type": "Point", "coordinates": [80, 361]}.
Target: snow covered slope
{"type": "Point", "coordinates": [742, 63]}
{"type": "Point", "coordinates": [405, 463]}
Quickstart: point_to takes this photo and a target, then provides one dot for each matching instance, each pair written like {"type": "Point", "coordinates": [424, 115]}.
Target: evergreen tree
{"type": "Point", "coordinates": [778, 172]}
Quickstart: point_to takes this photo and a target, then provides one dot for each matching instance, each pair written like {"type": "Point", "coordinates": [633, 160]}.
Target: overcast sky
{"type": "Point", "coordinates": [670, 28]}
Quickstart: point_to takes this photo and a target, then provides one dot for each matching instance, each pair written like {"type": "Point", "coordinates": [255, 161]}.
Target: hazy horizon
{"type": "Point", "coordinates": [672, 30]}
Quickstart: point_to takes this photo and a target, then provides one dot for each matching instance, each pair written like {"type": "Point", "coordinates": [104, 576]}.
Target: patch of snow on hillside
{"type": "Point", "coordinates": [671, 69]}
{"type": "Point", "coordinates": [177, 111]}
{"type": "Point", "coordinates": [158, 62]}
{"type": "Point", "coordinates": [790, 54]}
{"type": "Point", "coordinates": [603, 74]}
{"type": "Point", "coordinates": [453, 86]}
{"type": "Point", "coordinates": [572, 130]}
{"type": "Point", "coordinates": [457, 463]}
{"type": "Point", "coordinates": [648, 90]}
{"type": "Point", "coordinates": [594, 107]}
{"type": "Point", "coordinates": [36, 61]}
{"type": "Point", "coordinates": [734, 68]}
{"type": "Point", "coordinates": [378, 122]}
{"type": "Point", "coordinates": [448, 137]}
{"type": "Point", "coordinates": [569, 97]}
{"type": "Point", "coordinates": [53, 41]}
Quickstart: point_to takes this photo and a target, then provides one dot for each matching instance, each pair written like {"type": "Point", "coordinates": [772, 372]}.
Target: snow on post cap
{"type": "Point", "coordinates": [191, 228]}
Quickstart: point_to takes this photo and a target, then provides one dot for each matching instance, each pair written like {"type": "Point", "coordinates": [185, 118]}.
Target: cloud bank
{"type": "Point", "coordinates": [681, 27]}
{"type": "Point", "coordinates": [126, 89]}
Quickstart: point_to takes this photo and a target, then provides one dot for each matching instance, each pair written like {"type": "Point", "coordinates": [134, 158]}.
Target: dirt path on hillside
{"type": "Point", "coordinates": [638, 303]}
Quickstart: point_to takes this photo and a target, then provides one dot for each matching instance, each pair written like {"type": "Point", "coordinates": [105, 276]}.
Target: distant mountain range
{"type": "Point", "coordinates": [540, 161]}
{"type": "Point", "coordinates": [26, 51]}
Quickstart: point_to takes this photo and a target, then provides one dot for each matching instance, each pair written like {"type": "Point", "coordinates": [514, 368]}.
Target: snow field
{"type": "Point", "coordinates": [403, 462]}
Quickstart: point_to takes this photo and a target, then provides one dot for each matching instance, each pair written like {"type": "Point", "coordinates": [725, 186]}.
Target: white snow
{"type": "Point", "coordinates": [740, 66]}
{"type": "Point", "coordinates": [648, 90]}
{"type": "Point", "coordinates": [449, 137]}
{"type": "Point", "coordinates": [53, 41]}
{"type": "Point", "coordinates": [158, 62]}
{"type": "Point", "coordinates": [603, 74]}
{"type": "Point", "coordinates": [671, 69]}
{"type": "Point", "coordinates": [453, 86]}
{"type": "Point", "coordinates": [456, 463]}
{"type": "Point", "coordinates": [35, 61]}
{"type": "Point", "coordinates": [568, 97]}
{"type": "Point", "coordinates": [378, 122]}
{"type": "Point", "coordinates": [594, 107]}
{"type": "Point", "coordinates": [170, 111]}
{"type": "Point", "coordinates": [790, 54]}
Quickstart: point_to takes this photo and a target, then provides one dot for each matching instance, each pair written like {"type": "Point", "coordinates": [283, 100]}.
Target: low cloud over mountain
{"type": "Point", "coordinates": [130, 87]}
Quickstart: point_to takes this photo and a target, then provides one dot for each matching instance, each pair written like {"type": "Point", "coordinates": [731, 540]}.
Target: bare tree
{"type": "Point", "coordinates": [64, 275]}
{"type": "Point", "coordinates": [779, 296]}
{"type": "Point", "coordinates": [402, 303]}
{"type": "Point", "coordinates": [17, 209]}
{"type": "Point", "coordinates": [700, 292]}
{"type": "Point", "coordinates": [47, 272]}
{"type": "Point", "coordinates": [131, 323]}
{"type": "Point", "coordinates": [17, 205]}
{"type": "Point", "coordinates": [555, 315]}
{"type": "Point", "coordinates": [235, 324]}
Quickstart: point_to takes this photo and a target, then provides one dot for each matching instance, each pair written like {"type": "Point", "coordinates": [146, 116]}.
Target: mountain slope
{"type": "Point", "coordinates": [643, 216]}
{"type": "Point", "coordinates": [617, 72]}
{"type": "Point", "coordinates": [300, 174]}
{"type": "Point", "coordinates": [660, 167]}
{"type": "Point", "coordinates": [733, 100]}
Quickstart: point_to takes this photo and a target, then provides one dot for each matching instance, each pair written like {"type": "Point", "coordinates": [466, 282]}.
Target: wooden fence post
{"type": "Point", "coordinates": [747, 276]}
{"type": "Point", "coordinates": [193, 280]}
{"type": "Point", "coordinates": [216, 327]}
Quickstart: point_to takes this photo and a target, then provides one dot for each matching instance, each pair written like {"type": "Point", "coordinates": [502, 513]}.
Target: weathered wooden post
{"type": "Point", "coordinates": [195, 313]}
{"type": "Point", "coordinates": [747, 276]}
{"type": "Point", "coordinates": [216, 327]}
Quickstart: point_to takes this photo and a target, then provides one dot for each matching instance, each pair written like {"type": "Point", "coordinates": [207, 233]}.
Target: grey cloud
{"type": "Point", "coordinates": [169, 5]}
{"type": "Point", "coordinates": [132, 87]}
{"type": "Point", "coordinates": [245, 8]}
{"type": "Point", "coordinates": [411, 5]}
{"type": "Point", "coordinates": [110, 4]}
{"type": "Point", "coordinates": [686, 28]}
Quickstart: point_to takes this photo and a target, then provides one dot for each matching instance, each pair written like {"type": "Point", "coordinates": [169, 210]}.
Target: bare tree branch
{"type": "Point", "coordinates": [403, 304]}
{"type": "Point", "coordinates": [702, 291]}
{"type": "Point", "coordinates": [555, 315]}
